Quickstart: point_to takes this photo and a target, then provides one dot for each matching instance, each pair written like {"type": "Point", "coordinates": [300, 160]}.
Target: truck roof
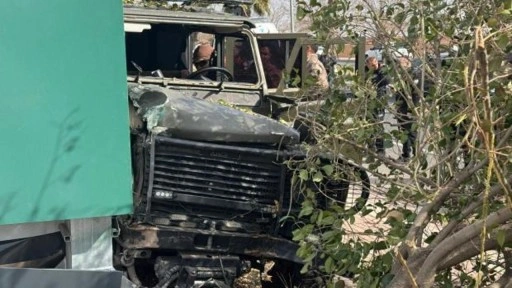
{"type": "Point", "coordinates": [148, 15]}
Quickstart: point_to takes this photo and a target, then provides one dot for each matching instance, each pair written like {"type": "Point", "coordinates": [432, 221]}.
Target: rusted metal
{"type": "Point", "coordinates": [143, 236]}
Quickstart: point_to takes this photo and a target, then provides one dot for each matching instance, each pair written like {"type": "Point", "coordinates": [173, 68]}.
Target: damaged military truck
{"type": "Point", "coordinates": [210, 180]}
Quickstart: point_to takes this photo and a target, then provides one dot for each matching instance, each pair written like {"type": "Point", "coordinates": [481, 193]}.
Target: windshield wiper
{"type": "Point", "coordinates": [139, 69]}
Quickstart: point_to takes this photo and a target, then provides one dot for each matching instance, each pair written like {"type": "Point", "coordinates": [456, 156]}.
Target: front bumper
{"type": "Point", "coordinates": [143, 236]}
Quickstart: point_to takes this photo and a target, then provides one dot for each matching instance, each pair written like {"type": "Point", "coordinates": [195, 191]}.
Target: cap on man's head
{"type": "Point", "coordinates": [203, 52]}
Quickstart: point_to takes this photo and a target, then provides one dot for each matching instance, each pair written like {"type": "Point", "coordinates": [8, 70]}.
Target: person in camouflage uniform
{"type": "Point", "coordinates": [316, 69]}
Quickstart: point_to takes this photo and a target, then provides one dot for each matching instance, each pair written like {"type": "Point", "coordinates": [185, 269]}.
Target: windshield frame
{"type": "Point", "coordinates": [243, 32]}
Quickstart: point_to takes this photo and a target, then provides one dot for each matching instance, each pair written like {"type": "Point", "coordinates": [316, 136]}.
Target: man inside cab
{"type": "Point", "coordinates": [202, 56]}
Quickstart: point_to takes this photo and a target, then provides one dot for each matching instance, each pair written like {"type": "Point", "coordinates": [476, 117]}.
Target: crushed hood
{"type": "Point", "coordinates": [168, 112]}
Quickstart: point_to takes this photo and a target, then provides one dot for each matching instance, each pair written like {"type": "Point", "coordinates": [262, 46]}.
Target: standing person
{"type": "Point", "coordinates": [316, 69]}
{"type": "Point", "coordinates": [406, 99]}
{"type": "Point", "coordinates": [380, 82]}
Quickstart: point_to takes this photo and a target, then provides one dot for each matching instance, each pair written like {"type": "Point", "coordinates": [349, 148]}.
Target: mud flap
{"type": "Point", "coordinates": [42, 251]}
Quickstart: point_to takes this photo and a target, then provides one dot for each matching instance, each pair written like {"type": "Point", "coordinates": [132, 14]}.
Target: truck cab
{"type": "Point", "coordinates": [210, 180]}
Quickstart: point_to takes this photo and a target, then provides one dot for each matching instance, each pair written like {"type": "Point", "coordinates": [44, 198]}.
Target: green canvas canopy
{"type": "Point", "coordinates": [64, 148]}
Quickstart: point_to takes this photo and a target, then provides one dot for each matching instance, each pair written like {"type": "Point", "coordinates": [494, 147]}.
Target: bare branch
{"type": "Point", "coordinates": [386, 161]}
{"type": "Point", "coordinates": [448, 229]}
{"type": "Point", "coordinates": [426, 273]}
{"type": "Point", "coordinates": [442, 195]}
{"type": "Point", "coordinates": [471, 248]}
{"type": "Point", "coordinates": [409, 273]}
{"type": "Point", "coordinates": [505, 280]}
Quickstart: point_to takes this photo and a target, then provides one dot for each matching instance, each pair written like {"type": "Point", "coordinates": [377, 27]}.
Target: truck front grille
{"type": "Point", "coordinates": [214, 180]}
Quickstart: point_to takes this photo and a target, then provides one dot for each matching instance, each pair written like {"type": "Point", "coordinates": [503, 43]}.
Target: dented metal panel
{"type": "Point", "coordinates": [173, 112]}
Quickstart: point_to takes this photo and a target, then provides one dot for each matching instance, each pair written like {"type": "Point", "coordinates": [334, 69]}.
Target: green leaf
{"type": "Point", "coordinates": [328, 169]}
{"type": "Point", "coordinates": [375, 283]}
{"type": "Point", "coordinates": [329, 265]}
{"type": "Point", "coordinates": [366, 211]}
{"type": "Point", "coordinates": [400, 17]}
{"type": "Point", "coordinates": [500, 237]}
{"type": "Point", "coordinates": [381, 245]}
{"type": "Point", "coordinates": [327, 221]}
{"type": "Point", "coordinates": [310, 193]}
{"type": "Point", "coordinates": [492, 22]}
{"type": "Point", "coordinates": [306, 211]}
{"type": "Point", "coordinates": [305, 268]}
{"type": "Point", "coordinates": [314, 3]}
{"type": "Point", "coordinates": [302, 12]}
{"type": "Point", "coordinates": [304, 175]}
{"type": "Point", "coordinates": [390, 11]}
{"type": "Point", "coordinates": [388, 143]}
{"type": "Point", "coordinates": [298, 235]}
{"type": "Point", "coordinates": [329, 234]}
{"type": "Point", "coordinates": [387, 259]}
{"type": "Point", "coordinates": [318, 177]}
{"type": "Point", "coordinates": [294, 179]}
{"type": "Point", "coordinates": [502, 41]}
{"type": "Point", "coordinates": [314, 216]}
{"type": "Point", "coordinates": [321, 215]}
{"type": "Point", "coordinates": [304, 251]}
{"type": "Point", "coordinates": [414, 20]}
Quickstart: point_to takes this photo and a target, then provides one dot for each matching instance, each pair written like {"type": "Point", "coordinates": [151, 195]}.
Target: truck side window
{"type": "Point", "coordinates": [272, 53]}
{"type": "Point", "coordinates": [244, 69]}
{"type": "Point", "coordinates": [159, 47]}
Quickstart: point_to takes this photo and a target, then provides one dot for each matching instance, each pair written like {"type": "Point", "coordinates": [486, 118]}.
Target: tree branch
{"type": "Point", "coordinates": [443, 193]}
{"type": "Point", "coordinates": [505, 280]}
{"type": "Point", "coordinates": [447, 230]}
{"type": "Point", "coordinates": [387, 161]}
{"type": "Point", "coordinates": [427, 271]}
{"type": "Point", "coordinates": [471, 248]}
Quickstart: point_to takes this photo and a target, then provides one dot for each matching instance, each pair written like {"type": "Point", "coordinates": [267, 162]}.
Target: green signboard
{"type": "Point", "coordinates": [64, 144]}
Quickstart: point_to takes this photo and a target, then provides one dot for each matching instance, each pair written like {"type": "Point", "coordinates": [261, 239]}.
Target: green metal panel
{"type": "Point", "coordinates": [64, 147]}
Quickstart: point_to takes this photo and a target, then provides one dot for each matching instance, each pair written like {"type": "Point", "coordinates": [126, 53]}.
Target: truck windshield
{"type": "Point", "coordinates": [191, 53]}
